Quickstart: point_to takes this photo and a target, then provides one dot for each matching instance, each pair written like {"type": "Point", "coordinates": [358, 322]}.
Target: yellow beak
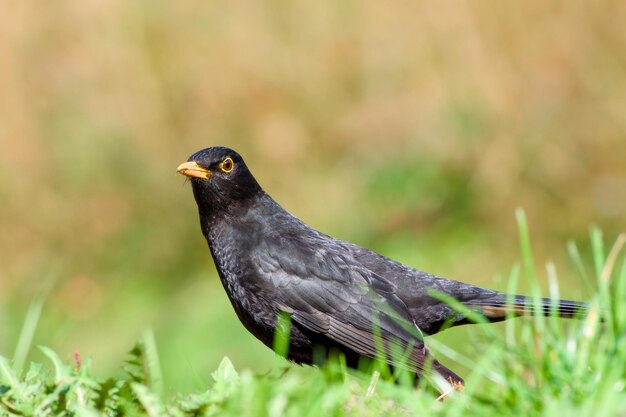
{"type": "Point", "coordinates": [193, 170]}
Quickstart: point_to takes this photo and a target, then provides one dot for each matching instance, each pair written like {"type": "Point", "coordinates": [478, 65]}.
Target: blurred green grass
{"type": "Point", "coordinates": [412, 129]}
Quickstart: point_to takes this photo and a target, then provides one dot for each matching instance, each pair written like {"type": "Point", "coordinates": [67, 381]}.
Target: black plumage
{"type": "Point", "coordinates": [338, 294]}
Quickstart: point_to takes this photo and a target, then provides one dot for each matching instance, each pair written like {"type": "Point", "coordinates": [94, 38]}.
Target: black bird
{"type": "Point", "coordinates": [339, 295]}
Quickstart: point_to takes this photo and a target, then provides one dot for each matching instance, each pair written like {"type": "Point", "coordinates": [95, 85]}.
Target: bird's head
{"type": "Point", "coordinates": [220, 179]}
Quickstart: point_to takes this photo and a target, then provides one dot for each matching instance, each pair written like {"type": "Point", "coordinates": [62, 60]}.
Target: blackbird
{"type": "Point", "coordinates": [338, 295]}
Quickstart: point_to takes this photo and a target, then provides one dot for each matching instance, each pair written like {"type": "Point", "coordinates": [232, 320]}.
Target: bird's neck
{"type": "Point", "coordinates": [215, 208]}
{"type": "Point", "coordinates": [221, 221]}
{"type": "Point", "coordinates": [232, 238]}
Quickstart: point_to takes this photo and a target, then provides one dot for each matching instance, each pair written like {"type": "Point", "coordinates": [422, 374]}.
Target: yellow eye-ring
{"type": "Point", "coordinates": [227, 165]}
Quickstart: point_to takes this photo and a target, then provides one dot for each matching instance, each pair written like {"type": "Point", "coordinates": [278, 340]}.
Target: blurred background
{"type": "Point", "coordinates": [412, 128]}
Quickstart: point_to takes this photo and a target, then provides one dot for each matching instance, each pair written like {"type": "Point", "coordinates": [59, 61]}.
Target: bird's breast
{"type": "Point", "coordinates": [238, 276]}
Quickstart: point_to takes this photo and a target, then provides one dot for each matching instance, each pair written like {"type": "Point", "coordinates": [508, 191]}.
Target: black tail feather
{"type": "Point", "coordinates": [498, 307]}
{"type": "Point", "coordinates": [450, 377]}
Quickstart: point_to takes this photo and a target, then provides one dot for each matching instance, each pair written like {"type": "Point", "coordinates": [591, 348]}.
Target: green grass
{"type": "Point", "coordinates": [540, 366]}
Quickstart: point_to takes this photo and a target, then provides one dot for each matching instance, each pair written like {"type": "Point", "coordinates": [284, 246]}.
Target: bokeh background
{"type": "Point", "coordinates": [412, 128]}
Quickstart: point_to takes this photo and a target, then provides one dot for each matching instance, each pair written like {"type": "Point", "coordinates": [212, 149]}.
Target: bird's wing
{"type": "Point", "coordinates": [415, 288]}
{"type": "Point", "coordinates": [327, 292]}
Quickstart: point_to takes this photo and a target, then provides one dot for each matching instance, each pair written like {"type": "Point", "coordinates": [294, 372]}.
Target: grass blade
{"type": "Point", "coordinates": [155, 376]}
{"type": "Point", "coordinates": [8, 375]}
{"type": "Point", "coordinates": [26, 335]}
{"type": "Point", "coordinates": [525, 246]}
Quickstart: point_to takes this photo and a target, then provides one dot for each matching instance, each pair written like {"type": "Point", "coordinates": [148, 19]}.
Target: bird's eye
{"type": "Point", "coordinates": [227, 165]}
